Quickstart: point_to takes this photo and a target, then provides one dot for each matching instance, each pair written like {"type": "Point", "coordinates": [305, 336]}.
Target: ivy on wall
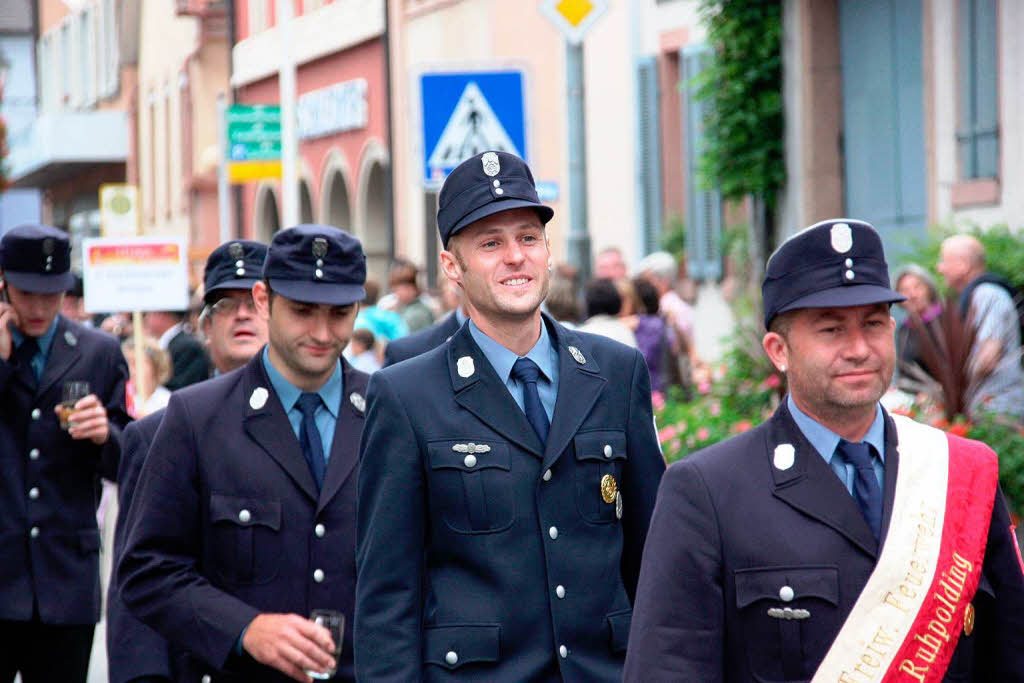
{"type": "Point", "coordinates": [742, 84]}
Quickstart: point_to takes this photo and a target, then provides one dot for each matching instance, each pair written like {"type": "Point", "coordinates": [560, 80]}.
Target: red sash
{"type": "Point", "coordinates": [908, 618]}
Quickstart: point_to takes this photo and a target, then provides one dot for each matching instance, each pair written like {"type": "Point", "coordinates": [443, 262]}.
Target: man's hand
{"type": "Point", "coordinates": [88, 421]}
{"type": "Point", "coordinates": [290, 644]}
{"type": "Point", "coordinates": [8, 318]}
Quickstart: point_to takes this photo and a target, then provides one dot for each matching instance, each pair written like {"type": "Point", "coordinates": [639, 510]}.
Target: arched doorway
{"type": "Point", "coordinates": [376, 228]}
{"type": "Point", "coordinates": [305, 203]}
{"type": "Point", "coordinates": [268, 217]}
{"type": "Point", "coordinates": [339, 208]}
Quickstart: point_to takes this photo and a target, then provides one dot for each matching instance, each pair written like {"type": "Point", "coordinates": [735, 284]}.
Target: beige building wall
{"type": "Point", "coordinates": [1009, 204]}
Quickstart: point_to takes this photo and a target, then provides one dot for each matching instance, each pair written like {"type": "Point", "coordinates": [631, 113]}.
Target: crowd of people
{"type": "Point", "coordinates": [470, 485]}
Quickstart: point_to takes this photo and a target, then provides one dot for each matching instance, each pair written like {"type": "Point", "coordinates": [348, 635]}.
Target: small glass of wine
{"type": "Point", "coordinates": [69, 397]}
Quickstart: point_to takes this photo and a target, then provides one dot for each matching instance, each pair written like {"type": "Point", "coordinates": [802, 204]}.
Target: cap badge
{"type": "Point", "coordinates": [842, 237]}
{"type": "Point", "coordinates": [471, 448]}
{"type": "Point", "coordinates": [358, 402]}
{"type": "Point", "coordinates": [319, 247]}
{"type": "Point", "coordinates": [235, 250]}
{"type": "Point", "coordinates": [70, 338]}
{"type": "Point", "coordinates": [48, 246]}
{"type": "Point", "coordinates": [609, 487]}
{"type": "Point", "coordinates": [491, 164]}
{"type": "Point", "coordinates": [577, 355]}
{"type": "Point", "coordinates": [465, 366]}
{"type": "Point", "coordinates": [258, 398]}
{"type": "Point", "coordinates": [785, 454]}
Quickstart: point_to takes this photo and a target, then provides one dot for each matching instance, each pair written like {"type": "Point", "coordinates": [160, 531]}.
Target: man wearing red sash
{"type": "Point", "coordinates": [834, 542]}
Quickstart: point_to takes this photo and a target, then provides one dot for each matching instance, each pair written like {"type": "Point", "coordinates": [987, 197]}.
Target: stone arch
{"type": "Point", "coordinates": [267, 214]}
{"type": "Point", "coordinates": [335, 198]}
{"type": "Point", "coordinates": [373, 209]}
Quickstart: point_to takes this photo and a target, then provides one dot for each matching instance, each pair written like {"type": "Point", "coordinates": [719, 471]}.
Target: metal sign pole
{"type": "Point", "coordinates": [223, 198]}
{"type": "Point", "coordinates": [289, 134]}
{"type": "Point", "coordinates": [579, 237]}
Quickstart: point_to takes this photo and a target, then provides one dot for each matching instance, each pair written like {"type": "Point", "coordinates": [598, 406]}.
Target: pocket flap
{"type": "Point", "coordinates": [456, 455]}
{"type": "Point", "coordinates": [89, 540]}
{"type": "Point", "coordinates": [453, 646]}
{"type": "Point", "coordinates": [245, 511]}
{"type": "Point", "coordinates": [618, 624]}
{"type": "Point", "coordinates": [602, 445]}
{"type": "Point", "coordinates": [806, 582]}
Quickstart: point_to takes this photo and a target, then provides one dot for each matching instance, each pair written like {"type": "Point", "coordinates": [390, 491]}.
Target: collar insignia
{"type": "Point", "coordinates": [577, 355]}
{"type": "Point", "coordinates": [465, 366]}
{"type": "Point", "coordinates": [258, 398]}
{"type": "Point", "coordinates": [70, 338]}
{"type": "Point", "coordinates": [785, 455]}
{"type": "Point", "coordinates": [358, 402]}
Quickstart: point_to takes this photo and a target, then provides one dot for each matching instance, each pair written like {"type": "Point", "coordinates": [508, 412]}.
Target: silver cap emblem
{"type": "Point", "coordinates": [70, 338]}
{"type": "Point", "coordinates": [258, 398]}
{"type": "Point", "coordinates": [577, 355]}
{"type": "Point", "coordinates": [784, 457]}
{"type": "Point", "coordinates": [48, 245]}
{"type": "Point", "coordinates": [465, 366]}
{"type": "Point", "coordinates": [491, 164]}
{"type": "Point", "coordinates": [842, 237]}
{"type": "Point", "coordinates": [358, 402]}
{"type": "Point", "coordinates": [319, 247]}
{"type": "Point", "coordinates": [236, 251]}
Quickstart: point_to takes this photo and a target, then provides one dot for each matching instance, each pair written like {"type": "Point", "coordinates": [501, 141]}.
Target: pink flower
{"type": "Point", "coordinates": [772, 381]}
{"type": "Point", "coordinates": [715, 409]}
{"type": "Point", "coordinates": [657, 400]}
{"type": "Point", "coordinates": [666, 433]}
{"type": "Point", "coordinates": [742, 426]}
{"type": "Point", "coordinates": [704, 387]}
{"type": "Point", "coordinates": [703, 434]}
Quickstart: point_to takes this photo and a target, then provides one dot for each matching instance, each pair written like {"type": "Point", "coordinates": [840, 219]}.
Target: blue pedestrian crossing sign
{"type": "Point", "coordinates": [465, 113]}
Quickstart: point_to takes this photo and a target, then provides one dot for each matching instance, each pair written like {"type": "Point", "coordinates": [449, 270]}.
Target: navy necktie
{"type": "Point", "coordinates": [22, 359]}
{"type": "Point", "coordinates": [865, 484]}
{"type": "Point", "coordinates": [309, 437]}
{"type": "Point", "coordinates": [527, 372]}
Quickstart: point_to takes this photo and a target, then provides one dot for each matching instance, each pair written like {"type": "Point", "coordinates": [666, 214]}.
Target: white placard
{"type": "Point", "coordinates": [135, 274]}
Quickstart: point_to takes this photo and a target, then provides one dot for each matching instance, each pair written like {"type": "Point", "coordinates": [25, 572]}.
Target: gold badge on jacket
{"type": "Point", "coordinates": [609, 487]}
{"type": "Point", "coordinates": [969, 620]}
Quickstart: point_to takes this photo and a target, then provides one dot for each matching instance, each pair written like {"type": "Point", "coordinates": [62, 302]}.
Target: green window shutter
{"type": "Point", "coordinates": [648, 146]}
{"type": "Point", "coordinates": [703, 207]}
{"type": "Point", "coordinates": [978, 132]}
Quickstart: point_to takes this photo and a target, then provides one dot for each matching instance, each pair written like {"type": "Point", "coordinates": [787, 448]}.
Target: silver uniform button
{"type": "Point", "coordinates": [318, 575]}
{"type": "Point", "coordinates": [563, 651]}
{"type": "Point", "coordinates": [34, 532]}
{"type": "Point", "coordinates": [239, 263]}
{"type": "Point", "coordinates": [36, 413]}
{"type": "Point", "coordinates": [547, 475]}
{"type": "Point", "coordinates": [560, 591]}
{"type": "Point", "coordinates": [33, 454]}
{"type": "Point", "coordinates": [470, 460]}
{"type": "Point", "coordinates": [33, 493]}
{"type": "Point", "coordinates": [452, 658]}
{"type": "Point", "coordinates": [319, 263]}
{"type": "Point", "coordinates": [553, 532]}
{"type": "Point", "coordinates": [244, 516]}
{"type": "Point", "coordinates": [319, 273]}
{"type": "Point", "coordinates": [320, 530]}
{"type": "Point", "coordinates": [849, 263]}
{"type": "Point", "coordinates": [240, 272]}
{"type": "Point", "coordinates": [206, 679]}
{"type": "Point", "coordinates": [607, 450]}
{"type": "Point", "coordinates": [849, 275]}
{"type": "Point", "coordinates": [786, 594]}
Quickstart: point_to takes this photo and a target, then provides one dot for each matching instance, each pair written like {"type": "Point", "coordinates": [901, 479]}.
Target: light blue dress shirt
{"type": "Point", "coordinates": [326, 415]}
{"type": "Point", "coordinates": [825, 442]}
{"type": "Point", "coordinates": [45, 342]}
{"type": "Point", "coordinates": [543, 354]}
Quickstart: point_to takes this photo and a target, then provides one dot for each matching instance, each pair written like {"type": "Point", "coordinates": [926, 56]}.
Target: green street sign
{"type": "Point", "coordinates": [254, 132]}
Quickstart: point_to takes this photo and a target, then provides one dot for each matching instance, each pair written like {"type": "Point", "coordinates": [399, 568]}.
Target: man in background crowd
{"type": "Point", "coordinates": [189, 361]}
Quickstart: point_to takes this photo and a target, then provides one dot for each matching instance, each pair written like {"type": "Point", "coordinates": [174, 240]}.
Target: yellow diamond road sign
{"type": "Point", "coordinates": [573, 17]}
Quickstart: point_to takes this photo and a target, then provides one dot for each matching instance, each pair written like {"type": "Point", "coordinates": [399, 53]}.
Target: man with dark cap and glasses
{"type": "Point", "coordinates": [243, 520]}
{"type": "Point", "coordinates": [507, 476]}
{"type": "Point", "coordinates": [835, 542]}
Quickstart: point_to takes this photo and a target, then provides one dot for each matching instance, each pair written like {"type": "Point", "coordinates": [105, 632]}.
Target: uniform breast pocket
{"type": "Point", "coordinates": [600, 456]}
{"type": "Point", "coordinates": [471, 485]}
{"type": "Point", "coordinates": [789, 616]}
{"type": "Point", "coordinates": [245, 544]}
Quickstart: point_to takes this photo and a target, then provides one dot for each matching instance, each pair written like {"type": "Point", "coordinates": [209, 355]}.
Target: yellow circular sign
{"type": "Point", "coordinates": [608, 488]}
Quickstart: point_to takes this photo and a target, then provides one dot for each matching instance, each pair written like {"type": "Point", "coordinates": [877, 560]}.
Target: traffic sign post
{"type": "Point", "coordinates": [466, 113]}
{"type": "Point", "coordinates": [574, 17]}
{"type": "Point", "coordinates": [253, 142]}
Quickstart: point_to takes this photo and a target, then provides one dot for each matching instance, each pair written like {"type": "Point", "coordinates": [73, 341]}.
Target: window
{"type": "Point", "coordinates": [648, 153]}
{"type": "Point", "coordinates": [978, 121]}
{"type": "Point", "coordinates": [703, 207]}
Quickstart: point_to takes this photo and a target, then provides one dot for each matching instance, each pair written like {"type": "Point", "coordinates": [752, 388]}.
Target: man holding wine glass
{"type": "Point", "coordinates": [62, 407]}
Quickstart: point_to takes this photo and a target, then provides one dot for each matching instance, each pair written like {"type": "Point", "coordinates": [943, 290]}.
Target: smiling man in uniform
{"type": "Point", "coordinates": [507, 476]}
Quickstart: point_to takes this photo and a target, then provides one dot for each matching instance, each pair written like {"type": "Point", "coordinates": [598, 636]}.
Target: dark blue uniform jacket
{"type": "Point", "coordinates": [509, 566]}
{"type": "Point", "coordinates": [422, 341]}
{"type": "Point", "coordinates": [226, 523]}
{"type": "Point", "coordinates": [730, 530]}
{"type": "Point", "coordinates": [56, 566]}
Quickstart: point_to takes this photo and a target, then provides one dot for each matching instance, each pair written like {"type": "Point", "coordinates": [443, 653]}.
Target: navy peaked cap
{"type": "Point", "coordinates": [485, 184]}
{"type": "Point", "coordinates": [37, 258]}
{"type": "Point", "coordinates": [233, 265]}
{"type": "Point", "coordinates": [317, 264]}
{"type": "Point", "coordinates": [832, 264]}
